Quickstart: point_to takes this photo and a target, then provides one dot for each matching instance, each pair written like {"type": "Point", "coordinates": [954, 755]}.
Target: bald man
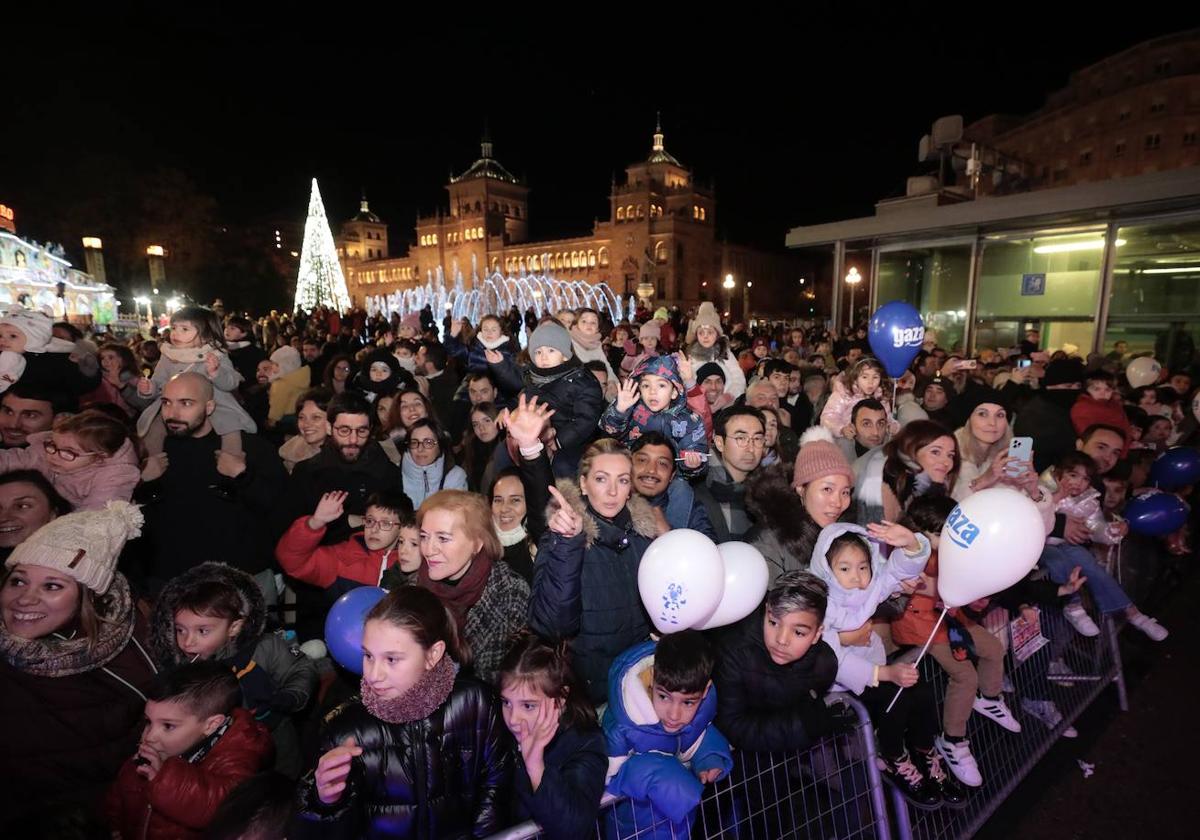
{"type": "Point", "coordinates": [201, 503]}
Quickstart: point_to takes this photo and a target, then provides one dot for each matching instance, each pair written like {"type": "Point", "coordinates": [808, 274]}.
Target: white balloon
{"type": "Point", "coordinates": [1143, 371]}
{"type": "Point", "coordinates": [681, 580]}
{"type": "Point", "coordinates": [990, 541]}
{"type": "Point", "coordinates": [746, 580]}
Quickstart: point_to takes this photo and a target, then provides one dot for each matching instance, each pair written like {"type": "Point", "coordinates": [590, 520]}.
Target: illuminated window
{"type": "Point", "coordinates": [660, 252]}
{"type": "Point", "coordinates": [591, 259]}
{"type": "Point", "coordinates": [703, 214]}
{"type": "Point", "coordinates": [641, 212]}
{"type": "Point", "coordinates": [695, 212]}
{"type": "Point", "coordinates": [602, 256]}
{"type": "Point", "coordinates": [629, 212]}
{"type": "Point", "coordinates": [620, 214]}
{"type": "Point", "coordinates": [479, 233]}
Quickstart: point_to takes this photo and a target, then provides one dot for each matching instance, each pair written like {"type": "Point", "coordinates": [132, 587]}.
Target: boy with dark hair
{"type": "Point", "coordinates": [198, 745]}
{"type": "Point", "coordinates": [662, 744]}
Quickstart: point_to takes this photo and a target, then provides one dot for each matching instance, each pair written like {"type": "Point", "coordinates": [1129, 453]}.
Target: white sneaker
{"type": "Point", "coordinates": [960, 761]}
{"type": "Point", "coordinates": [1043, 710]}
{"type": "Point", "coordinates": [1070, 732]}
{"type": "Point", "coordinates": [996, 710]}
{"type": "Point", "coordinates": [1149, 626]}
{"type": "Point", "coordinates": [1080, 620]}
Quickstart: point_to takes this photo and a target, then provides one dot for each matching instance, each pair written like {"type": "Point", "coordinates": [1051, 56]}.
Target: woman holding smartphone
{"type": "Point", "coordinates": [988, 457]}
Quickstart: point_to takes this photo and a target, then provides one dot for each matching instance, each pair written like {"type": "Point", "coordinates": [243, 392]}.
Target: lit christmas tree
{"type": "Point", "coordinates": [320, 282]}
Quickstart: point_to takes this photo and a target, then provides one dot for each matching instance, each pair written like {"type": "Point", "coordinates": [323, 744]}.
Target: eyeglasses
{"type": "Point", "coordinates": [383, 525]}
{"type": "Point", "coordinates": [65, 454]}
{"type": "Point", "coordinates": [428, 443]}
{"type": "Point", "coordinates": [360, 432]}
{"type": "Point", "coordinates": [745, 441]}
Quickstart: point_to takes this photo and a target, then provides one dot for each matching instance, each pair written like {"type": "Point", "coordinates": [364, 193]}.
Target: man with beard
{"type": "Point", "coordinates": [674, 503]}
{"type": "Point", "coordinates": [349, 462]}
{"type": "Point", "coordinates": [25, 409]}
{"type": "Point", "coordinates": [202, 503]}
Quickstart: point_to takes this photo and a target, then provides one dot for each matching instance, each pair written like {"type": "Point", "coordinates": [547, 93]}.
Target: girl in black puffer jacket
{"type": "Point", "coordinates": [422, 753]}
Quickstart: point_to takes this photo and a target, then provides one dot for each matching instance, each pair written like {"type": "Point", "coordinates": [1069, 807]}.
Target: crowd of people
{"type": "Point", "coordinates": [179, 511]}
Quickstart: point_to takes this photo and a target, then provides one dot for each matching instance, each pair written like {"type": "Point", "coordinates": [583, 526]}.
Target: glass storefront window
{"type": "Point", "coordinates": [934, 281]}
{"type": "Point", "coordinates": [1156, 292]}
{"type": "Point", "coordinates": [1047, 282]}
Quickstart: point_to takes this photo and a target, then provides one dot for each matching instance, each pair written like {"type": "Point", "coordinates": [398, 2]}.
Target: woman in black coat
{"type": "Point", "coordinates": [422, 752]}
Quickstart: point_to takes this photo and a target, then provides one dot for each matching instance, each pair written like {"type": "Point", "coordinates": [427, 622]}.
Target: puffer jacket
{"type": "Point", "coordinates": [585, 588]}
{"type": "Point", "coordinates": [474, 357]}
{"type": "Point", "coordinates": [183, 797]}
{"type": "Point", "coordinates": [90, 488]}
{"type": "Point", "coordinates": [764, 707]}
{"type": "Point", "coordinates": [398, 378]}
{"type": "Point", "coordinates": [422, 482]}
{"type": "Point", "coordinates": [69, 715]}
{"type": "Point", "coordinates": [446, 776]}
{"type": "Point", "coordinates": [648, 763]}
{"type": "Point", "coordinates": [344, 566]}
{"type": "Point", "coordinates": [567, 801]}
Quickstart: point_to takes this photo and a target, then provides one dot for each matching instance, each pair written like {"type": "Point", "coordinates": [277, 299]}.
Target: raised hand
{"type": "Point", "coordinates": [685, 370]}
{"type": "Point", "coordinates": [627, 395]}
{"type": "Point", "coordinates": [212, 363]}
{"type": "Point", "coordinates": [494, 357]}
{"type": "Point", "coordinates": [329, 508]}
{"type": "Point", "coordinates": [894, 534]}
{"type": "Point", "coordinates": [333, 769]}
{"type": "Point", "coordinates": [145, 387]}
{"type": "Point", "coordinates": [526, 424]}
{"type": "Point", "coordinates": [566, 521]}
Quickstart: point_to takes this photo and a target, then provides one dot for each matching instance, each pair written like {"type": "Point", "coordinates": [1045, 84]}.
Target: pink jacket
{"type": "Point", "coordinates": [89, 488]}
{"type": "Point", "coordinates": [840, 406]}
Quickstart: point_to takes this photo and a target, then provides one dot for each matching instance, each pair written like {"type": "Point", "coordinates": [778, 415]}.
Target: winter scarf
{"type": "Point", "coordinates": [420, 701]}
{"type": "Point", "coordinates": [63, 657]}
{"type": "Point", "coordinates": [584, 341]}
{"type": "Point", "coordinates": [494, 344]}
{"type": "Point", "coordinates": [187, 355]}
{"type": "Point", "coordinates": [460, 595]}
{"type": "Point", "coordinates": [510, 538]}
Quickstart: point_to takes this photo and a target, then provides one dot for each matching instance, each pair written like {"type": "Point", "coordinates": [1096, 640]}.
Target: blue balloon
{"type": "Point", "coordinates": [1175, 468]}
{"type": "Point", "coordinates": [344, 625]}
{"type": "Point", "coordinates": [1156, 514]}
{"type": "Point", "coordinates": [896, 334]}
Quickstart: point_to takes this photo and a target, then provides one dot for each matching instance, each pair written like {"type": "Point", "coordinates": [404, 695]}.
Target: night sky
{"type": "Point", "coordinates": [798, 120]}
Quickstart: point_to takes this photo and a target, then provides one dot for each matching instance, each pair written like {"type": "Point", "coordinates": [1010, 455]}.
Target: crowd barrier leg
{"type": "Point", "coordinates": [1111, 629]}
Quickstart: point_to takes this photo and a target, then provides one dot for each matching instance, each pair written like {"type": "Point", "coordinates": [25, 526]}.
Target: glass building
{"type": "Point", "coordinates": [1087, 265]}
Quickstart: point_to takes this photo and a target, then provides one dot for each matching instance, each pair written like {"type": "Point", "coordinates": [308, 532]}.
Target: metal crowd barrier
{"type": "Point", "coordinates": [832, 790]}
{"type": "Point", "coordinates": [1005, 758]}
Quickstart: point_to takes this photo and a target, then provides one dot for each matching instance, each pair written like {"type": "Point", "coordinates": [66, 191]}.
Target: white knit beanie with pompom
{"type": "Point", "coordinates": [83, 545]}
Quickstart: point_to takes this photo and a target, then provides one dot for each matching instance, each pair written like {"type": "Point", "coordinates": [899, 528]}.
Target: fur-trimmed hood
{"type": "Point", "coordinates": [640, 511]}
{"type": "Point", "coordinates": [162, 621]}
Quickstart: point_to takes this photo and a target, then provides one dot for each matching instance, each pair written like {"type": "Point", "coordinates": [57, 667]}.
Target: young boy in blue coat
{"type": "Point", "coordinates": [654, 398]}
{"type": "Point", "coordinates": [662, 744]}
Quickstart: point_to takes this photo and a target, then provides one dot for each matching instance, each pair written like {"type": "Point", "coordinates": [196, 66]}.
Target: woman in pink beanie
{"type": "Point", "coordinates": [823, 480]}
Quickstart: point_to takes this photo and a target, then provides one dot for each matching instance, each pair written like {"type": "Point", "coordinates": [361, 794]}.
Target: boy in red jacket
{"type": "Point", "coordinates": [389, 538]}
{"type": "Point", "coordinates": [1100, 404]}
{"type": "Point", "coordinates": [198, 745]}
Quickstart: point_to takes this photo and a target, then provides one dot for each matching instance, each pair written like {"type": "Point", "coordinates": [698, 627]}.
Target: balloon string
{"type": "Point", "coordinates": [920, 656]}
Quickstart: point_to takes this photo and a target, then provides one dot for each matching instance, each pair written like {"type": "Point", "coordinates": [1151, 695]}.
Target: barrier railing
{"type": "Point", "coordinates": [1083, 668]}
{"type": "Point", "coordinates": [831, 790]}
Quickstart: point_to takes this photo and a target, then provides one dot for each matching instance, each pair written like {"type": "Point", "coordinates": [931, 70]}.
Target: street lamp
{"type": "Point", "coordinates": [853, 278]}
{"type": "Point", "coordinates": [143, 301]}
{"type": "Point", "coordinates": [728, 284]}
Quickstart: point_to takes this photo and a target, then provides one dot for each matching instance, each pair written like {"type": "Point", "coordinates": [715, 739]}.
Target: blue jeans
{"type": "Point", "coordinates": [1059, 560]}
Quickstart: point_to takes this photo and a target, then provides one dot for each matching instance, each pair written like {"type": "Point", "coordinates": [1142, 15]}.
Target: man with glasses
{"type": "Point", "coordinates": [350, 461]}
{"type": "Point", "coordinates": [739, 437]}
{"type": "Point", "coordinates": [202, 503]}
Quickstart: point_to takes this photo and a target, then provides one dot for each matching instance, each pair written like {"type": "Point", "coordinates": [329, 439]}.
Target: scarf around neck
{"type": "Point", "coordinates": [420, 701]}
{"type": "Point", "coordinates": [495, 343]}
{"type": "Point", "coordinates": [187, 355]}
{"type": "Point", "coordinates": [460, 595]}
{"type": "Point", "coordinates": [509, 538]}
{"type": "Point", "coordinates": [586, 342]}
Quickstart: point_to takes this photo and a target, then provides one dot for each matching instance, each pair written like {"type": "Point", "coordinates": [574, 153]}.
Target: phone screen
{"type": "Point", "coordinates": [1024, 363]}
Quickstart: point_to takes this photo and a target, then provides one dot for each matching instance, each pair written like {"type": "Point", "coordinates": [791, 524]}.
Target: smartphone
{"type": "Point", "coordinates": [1019, 449]}
{"type": "Point", "coordinates": [1024, 363]}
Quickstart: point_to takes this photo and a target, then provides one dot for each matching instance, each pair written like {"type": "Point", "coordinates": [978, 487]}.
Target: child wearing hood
{"type": "Point", "coordinates": [655, 398]}
{"type": "Point", "coordinates": [87, 457]}
{"type": "Point", "coordinates": [864, 379]}
{"type": "Point", "coordinates": [663, 746]}
{"type": "Point", "coordinates": [29, 352]}
{"type": "Point", "coordinates": [214, 611]}
{"type": "Point", "coordinates": [860, 578]}
{"type": "Point", "coordinates": [382, 375]}
{"type": "Point", "coordinates": [288, 379]}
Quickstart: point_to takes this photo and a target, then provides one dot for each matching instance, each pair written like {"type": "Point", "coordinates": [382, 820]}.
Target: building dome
{"type": "Point", "coordinates": [486, 167]}
{"type": "Point", "coordinates": [365, 215]}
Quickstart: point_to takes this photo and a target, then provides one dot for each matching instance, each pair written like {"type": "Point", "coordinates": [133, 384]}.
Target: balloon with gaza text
{"type": "Point", "coordinates": [344, 625]}
{"type": "Point", "coordinates": [896, 334]}
{"type": "Point", "coordinates": [1142, 372]}
{"type": "Point", "coordinates": [990, 541]}
{"type": "Point", "coordinates": [746, 580]}
{"type": "Point", "coordinates": [1178, 467]}
{"type": "Point", "coordinates": [681, 579]}
{"type": "Point", "coordinates": [1156, 514]}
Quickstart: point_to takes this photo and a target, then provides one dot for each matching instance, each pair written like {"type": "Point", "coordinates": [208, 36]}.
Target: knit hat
{"type": "Point", "coordinates": [35, 325]}
{"type": "Point", "coordinates": [288, 360]}
{"type": "Point", "coordinates": [1063, 372]}
{"type": "Point", "coordinates": [819, 456]}
{"type": "Point", "coordinates": [661, 314]}
{"type": "Point", "coordinates": [649, 329]}
{"type": "Point", "coordinates": [940, 383]}
{"type": "Point", "coordinates": [975, 397]}
{"type": "Point", "coordinates": [551, 334]}
{"type": "Point", "coordinates": [83, 545]}
{"type": "Point", "coordinates": [762, 341]}
{"type": "Point", "coordinates": [413, 321]}
{"type": "Point", "coordinates": [664, 366]}
{"type": "Point", "coordinates": [706, 316]}
{"type": "Point", "coordinates": [710, 369]}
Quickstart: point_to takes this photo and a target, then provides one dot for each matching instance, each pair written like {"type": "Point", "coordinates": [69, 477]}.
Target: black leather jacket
{"type": "Point", "coordinates": [446, 776]}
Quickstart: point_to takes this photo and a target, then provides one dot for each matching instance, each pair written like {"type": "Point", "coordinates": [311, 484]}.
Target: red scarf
{"type": "Point", "coordinates": [459, 596]}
